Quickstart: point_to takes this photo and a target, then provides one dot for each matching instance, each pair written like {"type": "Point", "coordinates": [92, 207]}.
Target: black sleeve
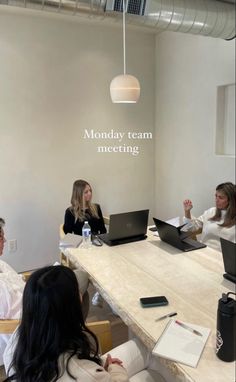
{"type": "Point", "coordinates": [101, 224]}
{"type": "Point", "coordinates": [69, 222]}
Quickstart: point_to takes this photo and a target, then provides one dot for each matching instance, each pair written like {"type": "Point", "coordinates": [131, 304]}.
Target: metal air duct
{"type": "Point", "coordinates": [201, 17]}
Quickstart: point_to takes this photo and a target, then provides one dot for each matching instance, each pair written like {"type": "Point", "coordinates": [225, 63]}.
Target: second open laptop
{"type": "Point", "coordinates": [229, 258]}
{"type": "Point", "coordinates": [126, 227]}
{"type": "Point", "coordinates": [173, 236]}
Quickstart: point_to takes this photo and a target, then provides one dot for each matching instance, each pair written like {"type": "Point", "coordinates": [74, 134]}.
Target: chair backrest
{"type": "Point", "coordinates": [63, 258]}
{"type": "Point", "coordinates": [106, 220]}
{"type": "Point", "coordinates": [26, 275]}
{"type": "Point", "coordinates": [102, 329]}
{"type": "Point", "coordinates": [61, 232]}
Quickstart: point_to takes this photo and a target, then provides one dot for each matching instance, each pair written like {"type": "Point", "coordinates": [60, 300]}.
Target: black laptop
{"type": "Point", "coordinates": [173, 236]}
{"type": "Point", "coordinates": [229, 257]}
{"type": "Point", "coordinates": [126, 227]}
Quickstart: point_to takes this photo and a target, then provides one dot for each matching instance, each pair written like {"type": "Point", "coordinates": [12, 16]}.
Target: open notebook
{"type": "Point", "coordinates": [181, 345]}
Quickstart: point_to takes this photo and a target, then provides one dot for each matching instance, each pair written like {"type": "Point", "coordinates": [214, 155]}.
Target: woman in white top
{"type": "Point", "coordinates": [52, 342]}
{"type": "Point", "coordinates": [218, 221]}
{"type": "Point", "coordinates": [11, 290]}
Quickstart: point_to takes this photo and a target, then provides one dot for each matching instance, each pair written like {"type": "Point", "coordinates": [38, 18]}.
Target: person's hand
{"type": "Point", "coordinates": [109, 361]}
{"type": "Point", "coordinates": [188, 205]}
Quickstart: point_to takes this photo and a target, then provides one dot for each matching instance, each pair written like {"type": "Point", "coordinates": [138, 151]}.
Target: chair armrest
{"type": "Point", "coordinates": [8, 326]}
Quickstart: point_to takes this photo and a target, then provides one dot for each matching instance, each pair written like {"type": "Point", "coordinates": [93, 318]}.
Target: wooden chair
{"type": "Point", "coordinates": [63, 258]}
{"type": "Point", "coordinates": [102, 329]}
{"type": "Point", "coordinates": [25, 275]}
{"type": "Point", "coordinates": [8, 326]}
{"type": "Point", "coordinates": [106, 220]}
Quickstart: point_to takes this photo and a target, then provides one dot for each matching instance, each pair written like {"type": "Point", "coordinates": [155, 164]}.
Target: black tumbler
{"type": "Point", "coordinates": [226, 328]}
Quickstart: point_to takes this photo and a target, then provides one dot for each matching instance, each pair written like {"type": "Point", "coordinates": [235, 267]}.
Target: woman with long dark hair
{"type": "Point", "coordinates": [218, 221]}
{"type": "Point", "coordinates": [82, 209]}
{"type": "Point", "coordinates": [52, 342]}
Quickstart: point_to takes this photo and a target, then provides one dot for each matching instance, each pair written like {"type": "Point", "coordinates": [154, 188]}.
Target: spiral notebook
{"type": "Point", "coordinates": [180, 344]}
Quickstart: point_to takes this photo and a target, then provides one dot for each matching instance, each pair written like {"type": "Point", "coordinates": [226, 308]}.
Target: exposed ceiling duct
{"type": "Point", "coordinates": [201, 17]}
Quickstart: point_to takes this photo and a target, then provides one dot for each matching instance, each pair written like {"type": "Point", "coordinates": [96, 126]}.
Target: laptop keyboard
{"type": "Point", "coordinates": [192, 243]}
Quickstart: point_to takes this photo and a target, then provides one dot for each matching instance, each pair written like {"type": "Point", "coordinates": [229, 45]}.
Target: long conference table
{"type": "Point", "coordinates": [191, 281]}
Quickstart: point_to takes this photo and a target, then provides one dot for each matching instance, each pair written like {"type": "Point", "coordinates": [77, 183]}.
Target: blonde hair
{"type": "Point", "coordinates": [78, 204]}
{"type": "Point", "coordinates": [229, 190]}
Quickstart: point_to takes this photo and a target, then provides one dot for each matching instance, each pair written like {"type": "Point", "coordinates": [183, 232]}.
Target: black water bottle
{"type": "Point", "coordinates": [226, 328]}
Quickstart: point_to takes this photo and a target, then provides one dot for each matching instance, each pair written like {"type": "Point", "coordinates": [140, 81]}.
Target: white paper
{"type": "Point", "coordinates": [70, 241]}
{"type": "Point", "coordinates": [181, 345]}
{"type": "Point", "coordinates": [173, 221]}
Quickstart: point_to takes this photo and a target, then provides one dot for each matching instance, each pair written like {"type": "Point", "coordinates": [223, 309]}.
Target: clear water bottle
{"type": "Point", "coordinates": [86, 234]}
{"type": "Point", "coordinates": [226, 328]}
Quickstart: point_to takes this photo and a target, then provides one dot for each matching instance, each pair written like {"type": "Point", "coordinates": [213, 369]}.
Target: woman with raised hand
{"type": "Point", "coordinates": [218, 221]}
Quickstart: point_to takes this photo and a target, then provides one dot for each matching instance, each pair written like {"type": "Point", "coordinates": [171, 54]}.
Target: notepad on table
{"type": "Point", "coordinates": [70, 240]}
{"type": "Point", "coordinates": [181, 345]}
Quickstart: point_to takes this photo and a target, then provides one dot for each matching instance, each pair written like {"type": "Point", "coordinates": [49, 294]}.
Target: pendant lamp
{"type": "Point", "coordinates": [124, 88]}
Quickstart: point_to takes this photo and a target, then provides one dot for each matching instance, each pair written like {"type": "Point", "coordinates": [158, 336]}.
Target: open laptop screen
{"type": "Point", "coordinates": [128, 224]}
{"type": "Point", "coordinates": [229, 256]}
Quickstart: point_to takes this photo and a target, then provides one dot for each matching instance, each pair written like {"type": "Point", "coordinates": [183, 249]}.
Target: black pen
{"type": "Point", "coordinates": [166, 316]}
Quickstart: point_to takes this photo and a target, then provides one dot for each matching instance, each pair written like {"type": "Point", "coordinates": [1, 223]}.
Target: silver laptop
{"type": "Point", "coordinates": [126, 227]}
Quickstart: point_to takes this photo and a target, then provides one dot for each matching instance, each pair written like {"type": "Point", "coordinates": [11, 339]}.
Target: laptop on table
{"type": "Point", "coordinates": [229, 257]}
{"type": "Point", "coordinates": [126, 228]}
{"type": "Point", "coordinates": [173, 236]}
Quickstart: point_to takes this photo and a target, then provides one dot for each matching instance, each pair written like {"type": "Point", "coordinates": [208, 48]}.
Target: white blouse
{"type": "Point", "coordinates": [211, 230]}
{"type": "Point", "coordinates": [11, 291]}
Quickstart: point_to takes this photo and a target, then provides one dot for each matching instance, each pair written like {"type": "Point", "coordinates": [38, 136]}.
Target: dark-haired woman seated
{"type": "Point", "coordinates": [53, 343]}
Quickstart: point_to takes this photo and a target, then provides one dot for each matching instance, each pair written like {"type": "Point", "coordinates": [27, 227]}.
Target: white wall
{"type": "Point", "coordinates": [188, 70]}
{"type": "Point", "coordinates": [55, 76]}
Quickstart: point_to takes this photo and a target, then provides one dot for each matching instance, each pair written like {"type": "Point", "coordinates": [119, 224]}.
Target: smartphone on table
{"type": "Point", "coordinates": [148, 302]}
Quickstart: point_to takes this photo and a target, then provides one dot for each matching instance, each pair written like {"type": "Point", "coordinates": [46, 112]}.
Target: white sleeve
{"type": "Point", "coordinates": [118, 373]}
{"type": "Point", "coordinates": [6, 268]}
{"type": "Point", "coordinates": [9, 351]}
{"type": "Point", "coordinates": [84, 370]}
{"type": "Point", "coordinates": [193, 224]}
{"type": "Point", "coordinates": [11, 290]}
{"type": "Point", "coordinates": [133, 354]}
{"type": "Point", "coordinates": [5, 298]}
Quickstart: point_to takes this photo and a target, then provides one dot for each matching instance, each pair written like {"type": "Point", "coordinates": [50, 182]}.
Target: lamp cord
{"type": "Point", "coordinates": [124, 47]}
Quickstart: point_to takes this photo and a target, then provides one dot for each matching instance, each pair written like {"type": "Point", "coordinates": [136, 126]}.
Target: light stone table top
{"type": "Point", "coordinates": [192, 283]}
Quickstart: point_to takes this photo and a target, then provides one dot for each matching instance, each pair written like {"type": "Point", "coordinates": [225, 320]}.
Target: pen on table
{"type": "Point", "coordinates": [188, 328]}
{"type": "Point", "coordinates": [166, 316]}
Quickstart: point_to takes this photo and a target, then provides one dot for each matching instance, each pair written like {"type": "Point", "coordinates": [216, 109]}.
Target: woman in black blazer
{"type": "Point", "coordinates": [82, 209]}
